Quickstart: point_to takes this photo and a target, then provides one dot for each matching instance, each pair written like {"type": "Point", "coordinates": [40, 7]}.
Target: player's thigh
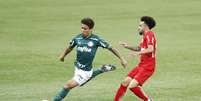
{"type": "Point", "coordinates": [133, 83]}
{"type": "Point", "coordinates": [81, 77]}
{"type": "Point", "coordinates": [133, 72]}
{"type": "Point", "coordinates": [126, 81]}
{"type": "Point", "coordinates": [142, 76]}
{"type": "Point", "coordinates": [71, 84]}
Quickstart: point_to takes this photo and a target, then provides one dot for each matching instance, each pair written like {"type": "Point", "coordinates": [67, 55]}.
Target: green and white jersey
{"type": "Point", "coordinates": [86, 50]}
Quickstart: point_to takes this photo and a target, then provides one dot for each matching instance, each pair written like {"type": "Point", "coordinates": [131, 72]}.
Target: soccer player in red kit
{"type": "Point", "coordinates": [143, 71]}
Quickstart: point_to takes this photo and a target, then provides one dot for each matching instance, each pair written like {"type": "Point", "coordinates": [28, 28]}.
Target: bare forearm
{"type": "Point", "coordinates": [115, 52]}
{"type": "Point", "coordinates": [66, 52]}
{"type": "Point", "coordinates": [133, 48]}
{"type": "Point", "coordinates": [148, 50]}
{"type": "Point", "coordinates": [145, 51]}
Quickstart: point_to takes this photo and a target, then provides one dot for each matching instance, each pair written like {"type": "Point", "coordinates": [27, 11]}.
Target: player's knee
{"type": "Point", "coordinates": [126, 82]}
{"type": "Point", "coordinates": [133, 83]}
{"type": "Point", "coordinates": [70, 85]}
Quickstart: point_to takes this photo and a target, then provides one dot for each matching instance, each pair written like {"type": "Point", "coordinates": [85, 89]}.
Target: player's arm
{"type": "Point", "coordinates": [68, 50]}
{"type": "Point", "coordinates": [117, 54]}
{"type": "Point", "coordinates": [104, 44]}
{"type": "Point", "coordinates": [150, 49]}
{"type": "Point", "coordinates": [64, 53]}
{"type": "Point", "coordinates": [125, 45]}
{"type": "Point", "coordinates": [150, 45]}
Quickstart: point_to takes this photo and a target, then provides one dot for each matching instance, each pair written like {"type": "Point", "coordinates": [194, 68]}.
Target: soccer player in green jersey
{"type": "Point", "coordinates": [86, 44]}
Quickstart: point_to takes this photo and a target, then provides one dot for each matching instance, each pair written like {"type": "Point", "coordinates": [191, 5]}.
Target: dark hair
{"type": "Point", "coordinates": [149, 21]}
{"type": "Point", "coordinates": [88, 21]}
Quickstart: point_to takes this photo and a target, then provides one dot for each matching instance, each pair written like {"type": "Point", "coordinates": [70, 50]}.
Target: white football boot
{"type": "Point", "coordinates": [107, 67]}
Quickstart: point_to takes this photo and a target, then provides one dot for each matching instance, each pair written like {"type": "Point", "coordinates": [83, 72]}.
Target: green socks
{"type": "Point", "coordinates": [96, 72]}
{"type": "Point", "coordinates": [61, 94]}
{"type": "Point", "coordinates": [65, 91]}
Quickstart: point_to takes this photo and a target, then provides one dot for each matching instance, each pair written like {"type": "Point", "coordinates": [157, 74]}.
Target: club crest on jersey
{"type": "Point", "coordinates": [90, 44]}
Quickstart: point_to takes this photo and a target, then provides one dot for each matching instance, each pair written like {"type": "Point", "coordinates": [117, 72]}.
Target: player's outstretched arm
{"type": "Point", "coordinates": [116, 53]}
{"type": "Point", "coordinates": [125, 45]}
{"type": "Point", "coordinates": [145, 51]}
{"type": "Point", "coordinates": [65, 52]}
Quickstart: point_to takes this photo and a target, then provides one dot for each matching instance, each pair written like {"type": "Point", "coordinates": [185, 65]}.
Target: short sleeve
{"type": "Point", "coordinates": [103, 43]}
{"type": "Point", "coordinates": [72, 43]}
{"type": "Point", "coordinates": [150, 39]}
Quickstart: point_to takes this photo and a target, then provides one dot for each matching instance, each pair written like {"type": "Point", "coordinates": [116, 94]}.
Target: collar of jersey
{"type": "Point", "coordinates": [87, 36]}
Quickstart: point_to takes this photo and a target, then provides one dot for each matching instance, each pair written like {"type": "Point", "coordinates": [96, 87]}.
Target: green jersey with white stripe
{"type": "Point", "coordinates": [86, 50]}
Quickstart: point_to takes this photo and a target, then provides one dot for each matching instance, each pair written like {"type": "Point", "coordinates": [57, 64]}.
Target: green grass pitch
{"type": "Point", "coordinates": [34, 32]}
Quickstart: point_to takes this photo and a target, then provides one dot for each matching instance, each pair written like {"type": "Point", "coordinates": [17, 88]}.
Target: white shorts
{"type": "Point", "coordinates": [81, 76]}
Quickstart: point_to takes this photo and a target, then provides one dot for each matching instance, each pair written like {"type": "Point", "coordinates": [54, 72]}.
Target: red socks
{"type": "Point", "coordinates": [120, 93]}
{"type": "Point", "coordinates": [138, 92]}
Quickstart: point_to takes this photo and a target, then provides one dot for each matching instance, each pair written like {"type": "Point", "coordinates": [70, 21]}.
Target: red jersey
{"type": "Point", "coordinates": [148, 60]}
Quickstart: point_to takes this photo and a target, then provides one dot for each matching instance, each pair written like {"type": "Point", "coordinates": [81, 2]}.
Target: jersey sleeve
{"type": "Point", "coordinates": [150, 39]}
{"type": "Point", "coordinates": [72, 43]}
{"type": "Point", "coordinates": [103, 43]}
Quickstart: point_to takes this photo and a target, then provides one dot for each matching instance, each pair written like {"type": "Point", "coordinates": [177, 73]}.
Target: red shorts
{"type": "Point", "coordinates": [140, 74]}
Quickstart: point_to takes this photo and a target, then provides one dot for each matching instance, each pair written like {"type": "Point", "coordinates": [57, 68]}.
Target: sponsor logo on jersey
{"type": "Point", "coordinates": [83, 49]}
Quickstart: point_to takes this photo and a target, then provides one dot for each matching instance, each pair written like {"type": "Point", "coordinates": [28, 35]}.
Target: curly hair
{"type": "Point", "coordinates": [149, 21]}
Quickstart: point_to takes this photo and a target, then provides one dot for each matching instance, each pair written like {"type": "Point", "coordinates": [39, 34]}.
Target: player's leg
{"type": "Point", "coordinates": [64, 91]}
{"type": "Point", "coordinates": [133, 83]}
{"type": "Point", "coordinates": [80, 76]}
{"type": "Point", "coordinates": [102, 69]}
{"type": "Point", "coordinates": [138, 80]}
{"type": "Point", "coordinates": [122, 89]}
{"type": "Point", "coordinates": [133, 86]}
{"type": "Point", "coordinates": [140, 93]}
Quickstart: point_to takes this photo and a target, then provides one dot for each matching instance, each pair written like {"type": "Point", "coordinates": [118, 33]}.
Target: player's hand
{"type": "Point", "coordinates": [61, 59]}
{"type": "Point", "coordinates": [124, 44]}
{"type": "Point", "coordinates": [124, 63]}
